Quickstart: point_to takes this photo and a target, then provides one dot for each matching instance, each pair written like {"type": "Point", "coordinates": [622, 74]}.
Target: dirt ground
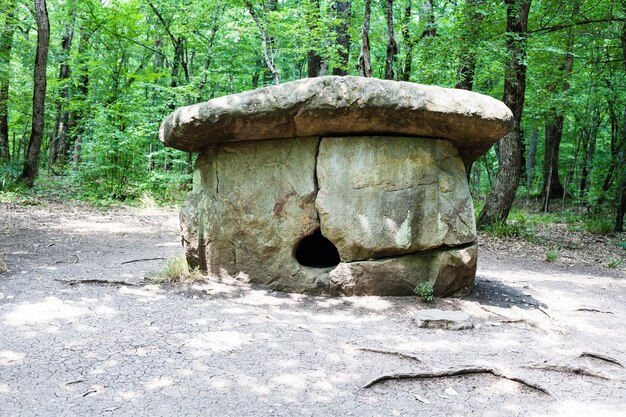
{"type": "Point", "coordinates": [117, 345]}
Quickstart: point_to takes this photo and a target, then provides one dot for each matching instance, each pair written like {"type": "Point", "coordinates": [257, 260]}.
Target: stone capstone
{"type": "Point", "coordinates": [335, 106]}
{"type": "Point", "coordinates": [339, 185]}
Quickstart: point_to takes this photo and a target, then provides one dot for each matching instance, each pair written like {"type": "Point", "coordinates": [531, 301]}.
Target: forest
{"type": "Point", "coordinates": [85, 84]}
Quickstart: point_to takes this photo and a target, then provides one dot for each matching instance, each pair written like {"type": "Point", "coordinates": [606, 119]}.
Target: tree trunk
{"type": "Point", "coordinates": [430, 30]}
{"type": "Point", "coordinates": [392, 46]}
{"type": "Point", "coordinates": [621, 191]}
{"type": "Point", "coordinates": [59, 132]}
{"type": "Point", "coordinates": [31, 164]}
{"type": "Point", "coordinates": [342, 13]}
{"type": "Point", "coordinates": [470, 34]}
{"type": "Point", "coordinates": [365, 61]}
{"type": "Point", "coordinates": [76, 119]}
{"type": "Point", "coordinates": [267, 43]}
{"type": "Point", "coordinates": [314, 60]}
{"type": "Point", "coordinates": [530, 161]}
{"type": "Point", "coordinates": [408, 41]}
{"type": "Point", "coordinates": [6, 45]}
{"type": "Point", "coordinates": [552, 187]}
{"type": "Point", "coordinates": [500, 200]}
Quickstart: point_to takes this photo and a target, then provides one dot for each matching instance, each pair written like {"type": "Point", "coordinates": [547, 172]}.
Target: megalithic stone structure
{"type": "Point", "coordinates": [339, 185]}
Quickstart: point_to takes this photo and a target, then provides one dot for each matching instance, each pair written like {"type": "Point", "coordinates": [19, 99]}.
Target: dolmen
{"type": "Point", "coordinates": [336, 185]}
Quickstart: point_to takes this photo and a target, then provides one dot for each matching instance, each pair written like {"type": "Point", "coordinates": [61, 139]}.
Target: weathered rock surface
{"type": "Point", "coordinates": [441, 319]}
{"type": "Point", "coordinates": [389, 196]}
{"type": "Point", "coordinates": [451, 271]}
{"type": "Point", "coordinates": [252, 203]}
{"type": "Point", "coordinates": [334, 106]}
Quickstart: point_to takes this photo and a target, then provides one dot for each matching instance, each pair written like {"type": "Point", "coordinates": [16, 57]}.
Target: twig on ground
{"type": "Point", "coordinates": [578, 370]}
{"type": "Point", "coordinates": [142, 260]}
{"type": "Point", "coordinates": [594, 310]}
{"type": "Point", "coordinates": [457, 372]}
{"type": "Point", "coordinates": [389, 352]}
{"type": "Point", "coordinates": [601, 357]}
{"type": "Point", "coordinates": [96, 281]}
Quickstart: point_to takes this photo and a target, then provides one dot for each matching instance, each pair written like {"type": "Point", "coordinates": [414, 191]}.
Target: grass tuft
{"type": "Point", "coordinates": [177, 270]}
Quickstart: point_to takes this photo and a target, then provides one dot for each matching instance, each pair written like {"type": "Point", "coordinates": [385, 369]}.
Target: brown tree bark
{"type": "Point", "coordinates": [6, 45]}
{"type": "Point", "coordinates": [365, 60]}
{"type": "Point", "coordinates": [342, 12]}
{"type": "Point", "coordinates": [500, 200]}
{"type": "Point", "coordinates": [392, 46]}
{"type": "Point", "coordinates": [31, 164]}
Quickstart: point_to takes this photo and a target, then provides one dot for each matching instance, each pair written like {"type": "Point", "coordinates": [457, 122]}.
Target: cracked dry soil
{"type": "Point", "coordinates": [219, 349]}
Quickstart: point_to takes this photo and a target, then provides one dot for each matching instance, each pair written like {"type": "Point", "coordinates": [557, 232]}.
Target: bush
{"type": "Point", "coordinates": [425, 291]}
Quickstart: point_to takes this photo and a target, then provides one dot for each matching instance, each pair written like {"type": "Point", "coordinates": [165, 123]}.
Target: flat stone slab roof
{"type": "Point", "coordinates": [333, 106]}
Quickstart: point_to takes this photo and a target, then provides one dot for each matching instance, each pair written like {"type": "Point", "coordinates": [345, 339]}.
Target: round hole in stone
{"type": "Point", "coordinates": [316, 251]}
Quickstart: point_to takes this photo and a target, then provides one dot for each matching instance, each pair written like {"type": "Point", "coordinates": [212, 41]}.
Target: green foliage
{"type": "Point", "coordinates": [598, 225]}
{"type": "Point", "coordinates": [9, 172]}
{"type": "Point", "coordinates": [425, 291]}
{"type": "Point", "coordinates": [519, 229]}
{"type": "Point", "coordinates": [616, 263]}
{"type": "Point", "coordinates": [551, 255]}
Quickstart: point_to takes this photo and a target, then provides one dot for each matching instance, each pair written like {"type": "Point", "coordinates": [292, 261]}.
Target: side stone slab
{"type": "Point", "coordinates": [252, 203]}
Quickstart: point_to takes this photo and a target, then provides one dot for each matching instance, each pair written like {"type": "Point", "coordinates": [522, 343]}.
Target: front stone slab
{"type": "Point", "coordinates": [272, 212]}
{"type": "Point", "coordinates": [389, 196]}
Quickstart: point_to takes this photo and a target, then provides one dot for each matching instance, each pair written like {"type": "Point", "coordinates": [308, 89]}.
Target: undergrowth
{"type": "Point", "coordinates": [176, 269]}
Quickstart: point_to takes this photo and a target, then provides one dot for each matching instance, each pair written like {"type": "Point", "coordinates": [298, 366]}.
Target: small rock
{"type": "Point", "coordinates": [440, 319]}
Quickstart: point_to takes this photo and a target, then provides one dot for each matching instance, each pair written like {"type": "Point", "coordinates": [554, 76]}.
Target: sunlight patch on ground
{"type": "Point", "coordinates": [157, 383]}
{"type": "Point", "coordinates": [9, 357]}
{"type": "Point", "coordinates": [209, 342]}
{"type": "Point", "coordinates": [572, 408]}
{"type": "Point", "coordinates": [82, 226]}
{"type": "Point", "coordinates": [44, 312]}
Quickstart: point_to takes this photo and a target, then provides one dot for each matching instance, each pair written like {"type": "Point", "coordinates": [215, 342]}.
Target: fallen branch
{"type": "Point", "coordinates": [142, 260]}
{"type": "Point", "coordinates": [578, 370]}
{"type": "Point", "coordinates": [96, 281]}
{"type": "Point", "coordinates": [389, 352]}
{"type": "Point", "coordinates": [457, 372]}
{"type": "Point", "coordinates": [601, 357]}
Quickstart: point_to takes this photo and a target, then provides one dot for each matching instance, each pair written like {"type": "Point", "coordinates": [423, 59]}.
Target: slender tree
{"type": "Point", "coordinates": [6, 45]}
{"type": "Point", "coordinates": [31, 163]}
{"type": "Point", "coordinates": [365, 60]}
{"type": "Point", "coordinates": [392, 46]}
{"type": "Point", "coordinates": [342, 13]}
{"type": "Point", "coordinates": [500, 200]}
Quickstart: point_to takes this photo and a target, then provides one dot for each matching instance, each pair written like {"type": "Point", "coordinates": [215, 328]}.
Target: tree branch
{"type": "Point", "coordinates": [581, 23]}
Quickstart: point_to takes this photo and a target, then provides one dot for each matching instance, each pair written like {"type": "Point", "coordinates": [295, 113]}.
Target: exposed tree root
{"type": "Point", "coordinates": [142, 260]}
{"type": "Point", "coordinates": [96, 281]}
{"type": "Point", "coordinates": [456, 372]}
{"type": "Point", "coordinates": [594, 310]}
{"type": "Point", "coordinates": [601, 357]}
{"type": "Point", "coordinates": [390, 352]}
{"type": "Point", "coordinates": [578, 370]}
